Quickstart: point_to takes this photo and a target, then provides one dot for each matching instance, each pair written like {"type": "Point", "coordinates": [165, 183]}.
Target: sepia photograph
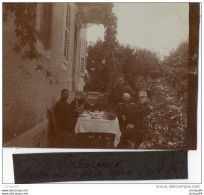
{"type": "Point", "coordinates": [99, 75]}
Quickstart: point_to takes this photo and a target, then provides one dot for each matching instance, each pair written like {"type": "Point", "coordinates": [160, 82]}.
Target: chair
{"type": "Point", "coordinates": [56, 136]}
{"type": "Point", "coordinates": [96, 140]}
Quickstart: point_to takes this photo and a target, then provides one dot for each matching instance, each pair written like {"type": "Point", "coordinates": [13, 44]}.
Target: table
{"type": "Point", "coordinates": [88, 125]}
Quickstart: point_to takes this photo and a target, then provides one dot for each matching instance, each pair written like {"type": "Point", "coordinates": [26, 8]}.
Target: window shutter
{"type": "Point", "coordinates": [82, 53]}
{"type": "Point", "coordinates": [67, 33]}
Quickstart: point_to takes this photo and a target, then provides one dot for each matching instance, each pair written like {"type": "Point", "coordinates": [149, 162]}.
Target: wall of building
{"type": "Point", "coordinates": [28, 93]}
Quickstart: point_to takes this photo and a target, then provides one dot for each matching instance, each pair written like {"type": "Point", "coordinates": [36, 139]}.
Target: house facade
{"type": "Point", "coordinates": [27, 92]}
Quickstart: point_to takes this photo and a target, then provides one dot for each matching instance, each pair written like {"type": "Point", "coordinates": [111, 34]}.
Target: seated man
{"type": "Point", "coordinates": [130, 120]}
{"type": "Point", "coordinates": [62, 112]}
{"type": "Point", "coordinates": [143, 103]}
{"type": "Point", "coordinates": [81, 104]}
{"type": "Point", "coordinates": [64, 136]}
{"type": "Point", "coordinates": [144, 108]}
{"type": "Point", "coordinates": [77, 106]}
{"type": "Point", "coordinates": [101, 104]}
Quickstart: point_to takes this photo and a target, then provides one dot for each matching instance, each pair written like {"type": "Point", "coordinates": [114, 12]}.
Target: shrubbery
{"type": "Point", "coordinates": [166, 79]}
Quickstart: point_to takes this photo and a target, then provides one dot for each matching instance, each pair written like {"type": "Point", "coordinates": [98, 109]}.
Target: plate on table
{"type": "Point", "coordinates": [95, 117]}
{"type": "Point", "coordinates": [84, 115]}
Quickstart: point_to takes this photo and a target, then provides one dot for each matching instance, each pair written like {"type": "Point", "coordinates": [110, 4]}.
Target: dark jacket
{"type": "Point", "coordinates": [116, 93]}
{"type": "Point", "coordinates": [129, 111]}
{"type": "Point", "coordinates": [134, 114]}
{"type": "Point", "coordinates": [62, 114]}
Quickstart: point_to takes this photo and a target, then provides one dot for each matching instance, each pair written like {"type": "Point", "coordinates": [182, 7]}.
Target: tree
{"type": "Point", "coordinates": [133, 64]}
{"type": "Point", "coordinates": [137, 64]}
{"type": "Point", "coordinates": [98, 67]}
{"type": "Point", "coordinates": [168, 121]}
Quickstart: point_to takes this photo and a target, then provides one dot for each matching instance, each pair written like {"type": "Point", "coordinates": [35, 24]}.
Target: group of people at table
{"type": "Point", "coordinates": [118, 105]}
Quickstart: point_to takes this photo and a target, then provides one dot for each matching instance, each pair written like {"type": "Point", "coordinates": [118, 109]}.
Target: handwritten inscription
{"type": "Point", "coordinates": [97, 166]}
{"type": "Point", "coordinates": [82, 168]}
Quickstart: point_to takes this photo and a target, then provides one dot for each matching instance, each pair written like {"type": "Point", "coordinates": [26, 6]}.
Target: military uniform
{"type": "Point", "coordinates": [77, 106]}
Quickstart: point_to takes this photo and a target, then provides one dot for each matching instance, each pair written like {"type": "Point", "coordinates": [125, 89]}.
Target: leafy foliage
{"type": "Point", "coordinates": [25, 22]}
{"type": "Point", "coordinates": [136, 64]}
{"type": "Point", "coordinates": [98, 68]}
{"type": "Point", "coordinates": [111, 45]}
{"type": "Point", "coordinates": [167, 122]}
{"type": "Point", "coordinates": [133, 65]}
{"type": "Point", "coordinates": [166, 80]}
{"type": "Point", "coordinates": [25, 18]}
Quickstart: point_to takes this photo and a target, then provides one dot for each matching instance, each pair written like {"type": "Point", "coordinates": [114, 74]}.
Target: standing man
{"type": "Point", "coordinates": [116, 93]}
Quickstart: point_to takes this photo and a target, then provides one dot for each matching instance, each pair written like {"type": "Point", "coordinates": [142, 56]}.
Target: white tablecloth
{"type": "Point", "coordinates": [88, 125]}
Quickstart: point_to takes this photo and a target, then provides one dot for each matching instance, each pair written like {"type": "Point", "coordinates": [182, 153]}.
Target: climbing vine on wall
{"type": "Point", "coordinates": [25, 18]}
{"type": "Point", "coordinates": [25, 23]}
{"type": "Point", "coordinates": [25, 31]}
